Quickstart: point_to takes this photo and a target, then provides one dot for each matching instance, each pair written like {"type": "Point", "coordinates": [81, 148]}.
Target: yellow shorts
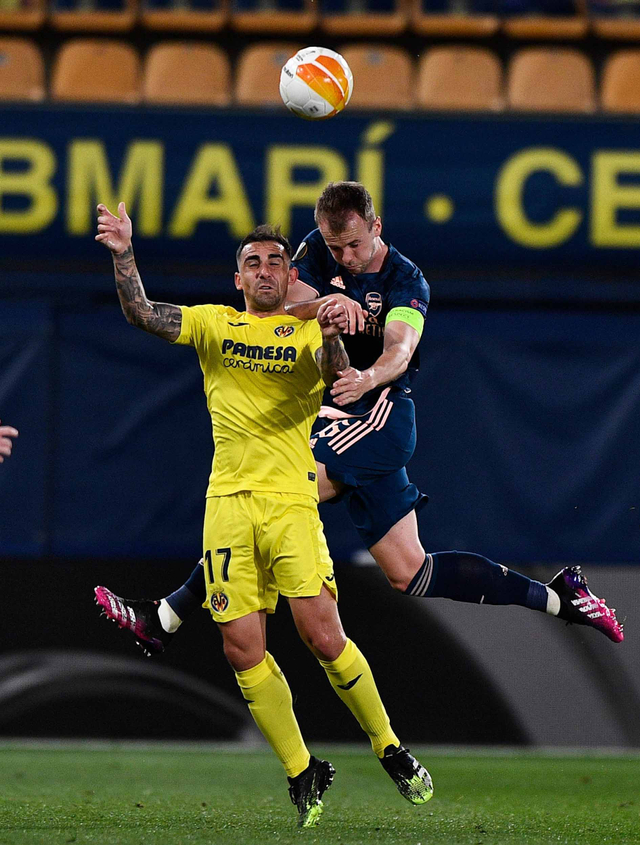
{"type": "Point", "coordinates": [258, 545]}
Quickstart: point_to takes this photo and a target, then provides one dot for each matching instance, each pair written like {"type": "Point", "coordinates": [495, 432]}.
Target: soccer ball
{"type": "Point", "coordinates": [316, 83]}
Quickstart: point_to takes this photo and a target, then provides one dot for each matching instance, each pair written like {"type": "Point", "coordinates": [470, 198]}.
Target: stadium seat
{"type": "Point", "coordinates": [22, 14]}
{"type": "Point", "coordinates": [463, 78]}
{"type": "Point", "coordinates": [96, 70]}
{"type": "Point", "coordinates": [615, 19]}
{"type": "Point", "coordinates": [546, 28]}
{"type": "Point", "coordinates": [368, 18]}
{"type": "Point", "coordinates": [258, 73]}
{"type": "Point", "coordinates": [383, 77]}
{"type": "Point", "coordinates": [190, 16]}
{"type": "Point", "coordinates": [620, 83]}
{"type": "Point", "coordinates": [621, 30]}
{"type": "Point", "coordinates": [550, 80]}
{"type": "Point", "coordinates": [279, 17]}
{"type": "Point", "coordinates": [187, 73]}
{"type": "Point", "coordinates": [21, 70]}
{"type": "Point", "coordinates": [445, 18]}
{"type": "Point", "coordinates": [93, 16]}
{"type": "Point", "coordinates": [548, 20]}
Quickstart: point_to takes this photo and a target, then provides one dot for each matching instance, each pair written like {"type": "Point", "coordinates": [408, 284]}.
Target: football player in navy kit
{"type": "Point", "coordinates": [366, 433]}
{"type": "Point", "coordinates": [366, 430]}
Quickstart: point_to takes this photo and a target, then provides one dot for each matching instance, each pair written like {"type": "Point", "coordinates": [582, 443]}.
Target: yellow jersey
{"type": "Point", "coordinates": [263, 390]}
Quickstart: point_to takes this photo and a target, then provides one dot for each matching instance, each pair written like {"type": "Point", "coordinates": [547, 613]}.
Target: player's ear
{"type": "Point", "coordinates": [237, 280]}
{"type": "Point", "coordinates": [293, 275]}
{"type": "Point", "coordinates": [377, 227]}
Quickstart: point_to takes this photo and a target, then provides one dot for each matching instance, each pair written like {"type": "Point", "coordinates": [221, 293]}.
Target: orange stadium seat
{"type": "Point", "coordinates": [541, 20]}
{"type": "Point", "coordinates": [620, 29]}
{"type": "Point", "coordinates": [96, 70]}
{"type": "Point", "coordinates": [282, 16]}
{"type": "Point", "coordinates": [187, 73]}
{"type": "Point", "coordinates": [462, 78]}
{"type": "Point", "coordinates": [620, 83]}
{"type": "Point", "coordinates": [93, 16]}
{"type": "Point", "coordinates": [353, 18]}
{"type": "Point", "coordinates": [194, 16]}
{"type": "Point", "coordinates": [436, 18]}
{"type": "Point", "coordinates": [615, 19]}
{"type": "Point", "coordinates": [258, 73]}
{"type": "Point", "coordinates": [22, 14]}
{"type": "Point", "coordinates": [383, 76]}
{"type": "Point", "coordinates": [21, 70]}
{"type": "Point", "coordinates": [546, 27]}
{"type": "Point", "coordinates": [550, 79]}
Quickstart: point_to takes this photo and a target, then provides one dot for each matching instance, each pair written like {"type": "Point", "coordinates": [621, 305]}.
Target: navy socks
{"type": "Point", "coordinates": [464, 576]}
{"type": "Point", "coordinates": [191, 595]}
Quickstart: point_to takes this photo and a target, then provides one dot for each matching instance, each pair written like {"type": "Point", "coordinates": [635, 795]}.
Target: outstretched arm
{"type": "Point", "coordinates": [332, 357]}
{"type": "Point", "coordinates": [158, 318]}
{"type": "Point", "coordinates": [400, 341]}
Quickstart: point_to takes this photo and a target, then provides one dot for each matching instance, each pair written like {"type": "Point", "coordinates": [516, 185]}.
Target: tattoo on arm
{"type": "Point", "coordinates": [158, 318]}
{"type": "Point", "coordinates": [331, 359]}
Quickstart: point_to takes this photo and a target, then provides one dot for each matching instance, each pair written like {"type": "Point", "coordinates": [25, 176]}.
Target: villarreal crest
{"type": "Point", "coordinates": [219, 602]}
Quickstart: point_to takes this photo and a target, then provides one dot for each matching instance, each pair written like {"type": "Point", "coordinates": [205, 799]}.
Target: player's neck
{"type": "Point", "coordinates": [277, 312]}
{"type": "Point", "coordinates": [378, 258]}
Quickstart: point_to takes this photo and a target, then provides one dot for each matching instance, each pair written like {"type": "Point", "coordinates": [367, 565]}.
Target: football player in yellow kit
{"type": "Point", "coordinates": [264, 375]}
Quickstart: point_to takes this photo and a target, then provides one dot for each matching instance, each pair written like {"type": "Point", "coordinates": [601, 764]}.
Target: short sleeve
{"type": "Point", "coordinates": [198, 324]}
{"type": "Point", "coordinates": [412, 292]}
{"type": "Point", "coordinates": [310, 260]}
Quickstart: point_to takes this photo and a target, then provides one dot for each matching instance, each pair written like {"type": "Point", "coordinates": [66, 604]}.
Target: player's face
{"type": "Point", "coordinates": [357, 245]}
{"type": "Point", "coordinates": [264, 276]}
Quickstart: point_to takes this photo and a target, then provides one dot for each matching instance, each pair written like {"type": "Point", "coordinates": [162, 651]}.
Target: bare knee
{"type": "Point", "coordinates": [400, 558]}
{"type": "Point", "coordinates": [241, 655]}
{"type": "Point", "coordinates": [318, 623]}
{"type": "Point", "coordinates": [325, 644]}
{"type": "Point", "coordinates": [399, 581]}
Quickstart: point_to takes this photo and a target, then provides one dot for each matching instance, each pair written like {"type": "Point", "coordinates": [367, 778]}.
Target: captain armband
{"type": "Point", "coordinates": [407, 315]}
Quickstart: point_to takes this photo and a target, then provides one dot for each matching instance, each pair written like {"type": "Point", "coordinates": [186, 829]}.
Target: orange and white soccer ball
{"type": "Point", "coordinates": [316, 83]}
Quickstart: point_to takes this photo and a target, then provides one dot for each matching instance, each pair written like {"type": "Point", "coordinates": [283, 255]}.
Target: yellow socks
{"type": "Point", "coordinates": [352, 679]}
{"type": "Point", "coordinates": [267, 692]}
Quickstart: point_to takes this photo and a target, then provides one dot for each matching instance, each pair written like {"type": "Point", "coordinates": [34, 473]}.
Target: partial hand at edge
{"type": "Point", "coordinates": [114, 232]}
{"type": "Point", "coordinates": [7, 432]}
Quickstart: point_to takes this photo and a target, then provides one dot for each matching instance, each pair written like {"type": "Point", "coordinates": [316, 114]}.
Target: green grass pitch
{"type": "Point", "coordinates": [172, 796]}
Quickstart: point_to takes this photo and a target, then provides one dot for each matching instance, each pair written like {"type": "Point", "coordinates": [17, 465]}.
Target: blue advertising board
{"type": "Point", "coordinates": [554, 194]}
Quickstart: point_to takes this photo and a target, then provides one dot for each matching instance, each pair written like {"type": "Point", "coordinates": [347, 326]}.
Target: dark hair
{"type": "Point", "coordinates": [339, 199]}
{"type": "Point", "coordinates": [263, 233]}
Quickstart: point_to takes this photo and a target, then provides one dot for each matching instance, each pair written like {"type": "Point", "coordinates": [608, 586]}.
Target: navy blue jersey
{"type": "Point", "coordinates": [399, 283]}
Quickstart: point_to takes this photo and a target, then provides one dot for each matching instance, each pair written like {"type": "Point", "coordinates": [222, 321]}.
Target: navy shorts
{"type": "Point", "coordinates": [368, 455]}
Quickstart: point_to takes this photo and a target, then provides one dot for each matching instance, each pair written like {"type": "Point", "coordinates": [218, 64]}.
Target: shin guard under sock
{"type": "Point", "coordinates": [351, 677]}
{"type": "Point", "coordinates": [267, 693]}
